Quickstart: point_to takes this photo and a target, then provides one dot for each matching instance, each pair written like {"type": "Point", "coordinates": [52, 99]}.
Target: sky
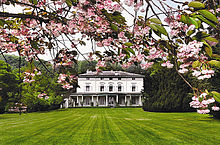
{"type": "Point", "coordinates": [86, 49]}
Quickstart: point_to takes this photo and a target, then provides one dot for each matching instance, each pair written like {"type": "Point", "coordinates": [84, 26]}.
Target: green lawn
{"type": "Point", "coordinates": [108, 126]}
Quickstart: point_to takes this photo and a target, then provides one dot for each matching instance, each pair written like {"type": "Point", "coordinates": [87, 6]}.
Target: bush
{"type": "Point", "coordinates": [165, 91]}
{"type": "Point", "coordinates": [34, 103]}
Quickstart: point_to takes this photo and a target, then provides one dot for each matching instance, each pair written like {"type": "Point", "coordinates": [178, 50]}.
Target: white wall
{"type": "Point", "coordinates": [95, 84]}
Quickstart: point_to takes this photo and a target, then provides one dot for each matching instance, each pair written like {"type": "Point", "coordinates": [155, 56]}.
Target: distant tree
{"type": "Point", "coordinates": [83, 66]}
{"type": "Point", "coordinates": [13, 61]}
{"type": "Point", "coordinates": [8, 84]}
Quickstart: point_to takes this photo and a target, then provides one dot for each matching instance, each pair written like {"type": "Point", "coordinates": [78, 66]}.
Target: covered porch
{"type": "Point", "coordinates": [108, 99]}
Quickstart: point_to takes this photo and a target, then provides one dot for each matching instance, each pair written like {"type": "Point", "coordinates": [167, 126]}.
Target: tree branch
{"type": "Point", "coordinates": [3, 14]}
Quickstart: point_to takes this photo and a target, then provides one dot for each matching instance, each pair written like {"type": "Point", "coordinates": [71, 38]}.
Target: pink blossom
{"type": "Point", "coordinates": [184, 70]}
{"type": "Point", "coordinates": [196, 73]}
{"type": "Point", "coordinates": [215, 108]}
{"type": "Point", "coordinates": [142, 10]}
{"type": "Point", "coordinates": [99, 44]}
{"type": "Point", "coordinates": [167, 64]}
{"type": "Point", "coordinates": [67, 86]}
{"type": "Point", "coordinates": [100, 6]}
{"type": "Point", "coordinates": [121, 35]}
{"type": "Point", "coordinates": [212, 11]}
{"type": "Point", "coordinates": [117, 7]}
{"type": "Point", "coordinates": [146, 65]}
{"type": "Point", "coordinates": [41, 95]}
{"type": "Point", "coordinates": [101, 64]}
{"type": "Point", "coordinates": [129, 2]}
{"type": "Point", "coordinates": [106, 42]}
{"type": "Point", "coordinates": [191, 27]}
{"type": "Point", "coordinates": [203, 95]}
{"type": "Point", "coordinates": [203, 111]}
{"type": "Point", "coordinates": [126, 65]}
{"type": "Point", "coordinates": [211, 100]}
{"type": "Point", "coordinates": [195, 104]}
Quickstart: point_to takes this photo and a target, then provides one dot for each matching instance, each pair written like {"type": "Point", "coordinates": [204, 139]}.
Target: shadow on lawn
{"type": "Point", "coordinates": [8, 117]}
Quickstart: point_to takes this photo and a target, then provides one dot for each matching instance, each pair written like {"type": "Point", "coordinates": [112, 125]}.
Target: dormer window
{"type": "Point", "coordinates": [119, 78]}
{"type": "Point", "coordinates": [87, 88]}
{"type": "Point", "coordinates": [101, 78]}
{"type": "Point", "coordinates": [87, 78]}
{"type": "Point", "coordinates": [110, 78]}
{"type": "Point", "coordinates": [133, 78]}
{"type": "Point", "coordinates": [133, 88]}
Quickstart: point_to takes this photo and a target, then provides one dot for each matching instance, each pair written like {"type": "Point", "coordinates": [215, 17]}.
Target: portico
{"type": "Point", "coordinates": [80, 100]}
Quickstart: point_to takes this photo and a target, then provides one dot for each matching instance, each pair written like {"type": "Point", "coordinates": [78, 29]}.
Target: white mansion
{"type": "Point", "coordinates": [107, 88]}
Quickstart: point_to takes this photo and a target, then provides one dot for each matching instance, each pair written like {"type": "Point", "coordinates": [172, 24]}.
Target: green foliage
{"type": "Point", "coordinates": [43, 83]}
{"type": "Point", "coordinates": [13, 61]}
{"type": "Point", "coordinates": [196, 4]}
{"type": "Point", "coordinates": [216, 89]}
{"type": "Point", "coordinates": [208, 15]}
{"type": "Point", "coordinates": [83, 66]}
{"type": "Point", "coordinates": [165, 91]}
{"type": "Point", "coordinates": [155, 20]}
{"type": "Point", "coordinates": [8, 84]}
{"type": "Point", "coordinates": [215, 63]}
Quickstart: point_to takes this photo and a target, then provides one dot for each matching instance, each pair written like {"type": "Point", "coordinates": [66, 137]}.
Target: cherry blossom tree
{"type": "Point", "coordinates": [185, 39]}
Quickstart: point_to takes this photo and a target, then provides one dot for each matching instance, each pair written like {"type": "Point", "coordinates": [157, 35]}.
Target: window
{"type": "Point", "coordinates": [119, 78]}
{"type": "Point", "coordinates": [110, 88]}
{"type": "Point", "coordinates": [102, 88]}
{"type": "Point", "coordinates": [87, 88]}
{"type": "Point", "coordinates": [133, 88]}
{"type": "Point", "coordinates": [110, 78]}
{"type": "Point", "coordinates": [119, 88]}
{"type": "Point", "coordinates": [87, 78]}
{"type": "Point", "coordinates": [133, 78]}
{"type": "Point", "coordinates": [101, 78]}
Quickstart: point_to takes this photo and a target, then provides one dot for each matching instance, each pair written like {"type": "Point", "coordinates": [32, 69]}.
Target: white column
{"type": "Point", "coordinates": [140, 101]}
{"type": "Point", "coordinates": [130, 101]}
{"type": "Point", "coordinates": [117, 98]}
{"type": "Point", "coordinates": [92, 99]}
{"type": "Point", "coordinates": [67, 103]}
{"type": "Point", "coordinates": [97, 99]}
{"type": "Point", "coordinates": [77, 99]}
{"type": "Point", "coordinates": [126, 100]}
{"type": "Point", "coordinates": [82, 100]}
{"type": "Point", "coordinates": [106, 100]}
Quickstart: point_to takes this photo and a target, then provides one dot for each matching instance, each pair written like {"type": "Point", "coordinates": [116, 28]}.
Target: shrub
{"type": "Point", "coordinates": [165, 91]}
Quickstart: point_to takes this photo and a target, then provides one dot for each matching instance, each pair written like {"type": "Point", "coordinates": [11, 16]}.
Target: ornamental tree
{"type": "Point", "coordinates": [184, 38]}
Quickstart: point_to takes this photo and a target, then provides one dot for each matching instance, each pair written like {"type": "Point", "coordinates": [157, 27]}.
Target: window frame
{"type": "Point", "coordinates": [133, 88]}
{"type": "Point", "coordinates": [102, 88]}
{"type": "Point", "coordinates": [87, 88]}
{"type": "Point", "coordinates": [110, 86]}
{"type": "Point", "coordinates": [119, 86]}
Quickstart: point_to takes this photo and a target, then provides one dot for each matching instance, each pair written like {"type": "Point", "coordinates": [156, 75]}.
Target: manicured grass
{"type": "Point", "coordinates": [108, 126]}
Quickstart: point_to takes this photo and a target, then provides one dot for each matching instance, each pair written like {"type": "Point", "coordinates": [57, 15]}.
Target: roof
{"type": "Point", "coordinates": [103, 94]}
{"type": "Point", "coordinates": [116, 74]}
